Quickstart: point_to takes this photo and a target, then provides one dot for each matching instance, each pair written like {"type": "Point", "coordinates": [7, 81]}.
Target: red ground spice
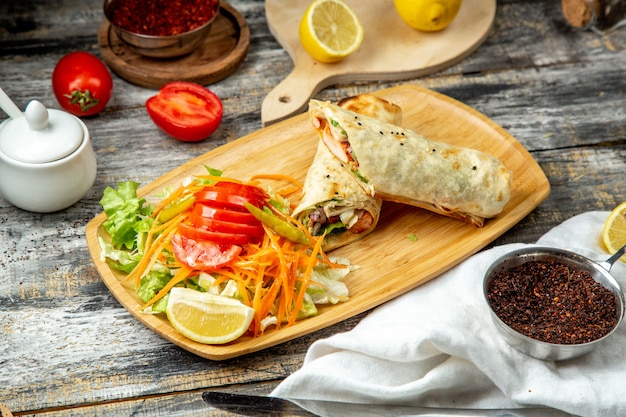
{"type": "Point", "coordinates": [161, 17]}
{"type": "Point", "coordinates": [553, 302]}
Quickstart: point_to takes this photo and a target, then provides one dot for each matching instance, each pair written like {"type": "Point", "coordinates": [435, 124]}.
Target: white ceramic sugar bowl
{"type": "Point", "coordinates": [47, 162]}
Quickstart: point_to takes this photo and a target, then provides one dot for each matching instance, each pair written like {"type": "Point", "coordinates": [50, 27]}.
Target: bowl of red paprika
{"type": "Point", "coordinates": [553, 304]}
{"type": "Point", "coordinates": [162, 28]}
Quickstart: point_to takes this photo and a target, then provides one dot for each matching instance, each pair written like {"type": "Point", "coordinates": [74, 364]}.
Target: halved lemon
{"type": "Point", "coordinates": [614, 231]}
{"type": "Point", "coordinates": [330, 30]}
{"type": "Point", "coordinates": [207, 318]}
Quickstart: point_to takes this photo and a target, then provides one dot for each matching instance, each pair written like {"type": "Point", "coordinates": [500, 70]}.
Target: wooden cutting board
{"type": "Point", "coordinates": [391, 50]}
{"type": "Point", "coordinates": [390, 262]}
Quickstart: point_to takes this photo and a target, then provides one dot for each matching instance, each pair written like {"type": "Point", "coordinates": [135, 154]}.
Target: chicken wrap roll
{"type": "Point", "coordinates": [333, 202]}
{"type": "Point", "coordinates": [401, 165]}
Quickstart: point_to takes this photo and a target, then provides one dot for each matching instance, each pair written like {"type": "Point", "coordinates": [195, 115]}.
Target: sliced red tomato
{"type": "Point", "coordinates": [242, 189]}
{"type": "Point", "coordinates": [216, 197]}
{"type": "Point", "coordinates": [224, 226]}
{"type": "Point", "coordinates": [201, 234]}
{"type": "Point", "coordinates": [224, 214]}
{"type": "Point", "coordinates": [186, 111]}
{"type": "Point", "coordinates": [203, 255]}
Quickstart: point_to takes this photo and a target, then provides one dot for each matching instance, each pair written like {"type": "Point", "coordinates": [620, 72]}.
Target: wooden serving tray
{"type": "Point", "coordinates": [218, 56]}
{"type": "Point", "coordinates": [391, 264]}
{"type": "Point", "coordinates": [391, 49]}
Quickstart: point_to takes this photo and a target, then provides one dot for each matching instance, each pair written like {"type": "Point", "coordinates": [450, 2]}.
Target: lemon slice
{"type": "Point", "coordinates": [428, 15]}
{"type": "Point", "coordinates": [330, 30]}
{"type": "Point", "coordinates": [614, 231]}
{"type": "Point", "coordinates": [207, 318]}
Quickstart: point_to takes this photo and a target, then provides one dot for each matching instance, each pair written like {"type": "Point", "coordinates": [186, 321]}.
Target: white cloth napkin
{"type": "Point", "coordinates": [436, 346]}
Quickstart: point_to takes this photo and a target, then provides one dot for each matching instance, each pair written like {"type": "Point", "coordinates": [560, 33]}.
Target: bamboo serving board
{"type": "Point", "coordinates": [390, 263]}
{"type": "Point", "coordinates": [391, 50]}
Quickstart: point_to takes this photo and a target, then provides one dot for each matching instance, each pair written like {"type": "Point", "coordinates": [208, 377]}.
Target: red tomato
{"type": "Point", "coordinates": [186, 111]}
{"type": "Point", "coordinates": [203, 255]}
{"type": "Point", "coordinates": [250, 191]}
{"type": "Point", "coordinates": [220, 238]}
{"type": "Point", "coordinates": [225, 215]}
{"type": "Point", "coordinates": [82, 84]}
{"type": "Point", "coordinates": [215, 197]}
{"type": "Point", "coordinates": [223, 226]}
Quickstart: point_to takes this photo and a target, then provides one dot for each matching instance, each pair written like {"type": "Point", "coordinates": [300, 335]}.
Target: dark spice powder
{"type": "Point", "coordinates": [553, 302]}
{"type": "Point", "coordinates": [161, 17]}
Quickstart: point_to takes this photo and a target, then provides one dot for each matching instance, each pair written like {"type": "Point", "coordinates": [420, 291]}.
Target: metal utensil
{"type": "Point", "coordinates": [256, 405]}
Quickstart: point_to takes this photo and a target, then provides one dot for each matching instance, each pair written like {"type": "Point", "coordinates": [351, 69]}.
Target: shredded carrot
{"type": "Point", "coordinates": [272, 275]}
{"type": "Point", "coordinates": [279, 177]}
{"type": "Point", "coordinates": [182, 274]}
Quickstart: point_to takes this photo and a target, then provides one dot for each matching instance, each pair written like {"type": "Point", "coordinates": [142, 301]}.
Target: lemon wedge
{"type": "Point", "coordinates": [330, 31]}
{"type": "Point", "coordinates": [207, 318]}
{"type": "Point", "coordinates": [614, 231]}
{"type": "Point", "coordinates": [428, 15]}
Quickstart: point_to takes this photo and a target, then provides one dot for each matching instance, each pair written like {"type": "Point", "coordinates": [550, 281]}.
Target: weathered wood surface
{"type": "Point", "coordinates": [66, 345]}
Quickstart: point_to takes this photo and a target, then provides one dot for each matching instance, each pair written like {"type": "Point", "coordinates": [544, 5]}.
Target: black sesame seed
{"type": "Point", "coordinates": [474, 168]}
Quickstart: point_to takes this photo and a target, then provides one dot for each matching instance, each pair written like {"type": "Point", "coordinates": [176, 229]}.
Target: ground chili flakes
{"type": "Point", "coordinates": [553, 302]}
{"type": "Point", "coordinates": [161, 17]}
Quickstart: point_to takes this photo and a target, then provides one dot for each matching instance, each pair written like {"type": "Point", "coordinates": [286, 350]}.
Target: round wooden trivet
{"type": "Point", "coordinates": [218, 57]}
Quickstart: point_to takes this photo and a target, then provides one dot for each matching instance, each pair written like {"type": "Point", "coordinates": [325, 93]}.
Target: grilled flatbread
{"type": "Point", "coordinates": [332, 200]}
{"type": "Point", "coordinates": [401, 165]}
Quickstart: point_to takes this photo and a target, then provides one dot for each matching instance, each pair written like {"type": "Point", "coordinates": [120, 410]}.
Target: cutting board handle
{"type": "Point", "coordinates": [291, 96]}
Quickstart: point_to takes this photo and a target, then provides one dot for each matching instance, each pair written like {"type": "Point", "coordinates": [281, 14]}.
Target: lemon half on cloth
{"type": "Point", "coordinates": [614, 231]}
{"type": "Point", "coordinates": [428, 15]}
{"type": "Point", "coordinates": [330, 31]}
{"type": "Point", "coordinates": [207, 318]}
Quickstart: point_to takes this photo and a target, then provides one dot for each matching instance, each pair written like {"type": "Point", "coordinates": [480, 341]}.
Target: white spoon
{"type": "Point", "coordinates": [8, 106]}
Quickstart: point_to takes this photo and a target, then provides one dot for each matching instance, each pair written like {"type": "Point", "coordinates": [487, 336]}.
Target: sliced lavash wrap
{"type": "Point", "coordinates": [400, 165]}
{"type": "Point", "coordinates": [332, 199]}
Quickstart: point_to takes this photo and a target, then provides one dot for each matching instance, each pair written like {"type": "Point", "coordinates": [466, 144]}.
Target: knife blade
{"type": "Point", "coordinates": [256, 405]}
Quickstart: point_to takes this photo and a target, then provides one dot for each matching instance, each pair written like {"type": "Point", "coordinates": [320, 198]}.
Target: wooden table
{"type": "Point", "coordinates": [67, 347]}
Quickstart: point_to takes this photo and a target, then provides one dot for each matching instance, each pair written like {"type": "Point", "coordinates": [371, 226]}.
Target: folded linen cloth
{"type": "Point", "coordinates": [436, 346]}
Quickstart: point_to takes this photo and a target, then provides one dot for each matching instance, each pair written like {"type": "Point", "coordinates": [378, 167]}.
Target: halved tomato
{"type": "Point", "coordinates": [186, 111]}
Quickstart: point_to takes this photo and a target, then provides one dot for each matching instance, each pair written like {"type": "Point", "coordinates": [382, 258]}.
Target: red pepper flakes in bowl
{"type": "Point", "coordinates": [161, 28]}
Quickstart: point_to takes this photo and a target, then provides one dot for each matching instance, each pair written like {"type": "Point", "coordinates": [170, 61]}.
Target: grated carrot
{"type": "Point", "coordinates": [272, 275]}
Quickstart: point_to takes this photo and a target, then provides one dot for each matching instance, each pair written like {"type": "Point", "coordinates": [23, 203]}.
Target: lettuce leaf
{"type": "Point", "coordinates": [127, 216]}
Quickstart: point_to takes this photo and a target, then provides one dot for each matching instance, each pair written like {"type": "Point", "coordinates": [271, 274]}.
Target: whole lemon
{"type": "Point", "coordinates": [428, 15]}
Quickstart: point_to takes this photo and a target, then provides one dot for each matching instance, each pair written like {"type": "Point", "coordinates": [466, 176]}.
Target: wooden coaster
{"type": "Point", "coordinates": [218, 57]}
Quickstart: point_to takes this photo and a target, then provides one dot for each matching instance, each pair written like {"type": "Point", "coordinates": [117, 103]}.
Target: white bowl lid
{"type": "Point", "coordinates": [41, 135]}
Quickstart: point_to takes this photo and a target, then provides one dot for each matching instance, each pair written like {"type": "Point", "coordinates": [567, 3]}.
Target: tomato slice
{"type": "Point", "coordinates": [186, 111]}
{"type": "Point", "coordinates": [223, 214]}
{"type": "Point", "coordinates": [202, 234]}
{"type": "Point", "coordinates": [223, 226]}
{"type": "Point", "coordinates": [204, 256]}
{"type": "Point", "coordinates": [250, 191]}
{"type": "Point", "coordinates": [220, 198]}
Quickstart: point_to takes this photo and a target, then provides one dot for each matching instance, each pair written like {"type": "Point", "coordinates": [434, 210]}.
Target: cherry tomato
{"type": "Point", "coordinates": [203, 255]}
{"type": "Point", "coordinates": [82, 84]}
{"type": "Point", "coordinates": [186, 111]}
